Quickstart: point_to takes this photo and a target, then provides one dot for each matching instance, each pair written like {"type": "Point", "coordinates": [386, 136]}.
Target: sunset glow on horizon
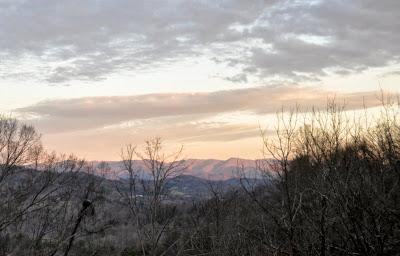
{"type": "Point", "coordinates": [92, 76]}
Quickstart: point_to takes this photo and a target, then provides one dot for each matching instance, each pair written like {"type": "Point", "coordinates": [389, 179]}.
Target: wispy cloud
{"type": "Point", "coordinates": [59, 41]}
{"type": "Point", "coordinates": [101, 112]}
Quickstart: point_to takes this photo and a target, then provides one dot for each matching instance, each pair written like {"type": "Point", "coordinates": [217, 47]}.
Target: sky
{"type": "Point", "coordinates": [94, 75]}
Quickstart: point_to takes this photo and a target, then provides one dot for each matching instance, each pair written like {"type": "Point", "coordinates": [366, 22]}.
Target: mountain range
{"type": "Point", "coordinates": [209, 169]}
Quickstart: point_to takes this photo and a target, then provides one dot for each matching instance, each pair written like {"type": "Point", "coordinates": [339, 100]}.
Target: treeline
{"type": "Point", "coordinates": [329, 185]}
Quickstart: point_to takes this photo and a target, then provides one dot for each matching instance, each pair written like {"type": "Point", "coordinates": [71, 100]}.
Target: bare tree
{"type": "Point", "coordinates": [151, 212]}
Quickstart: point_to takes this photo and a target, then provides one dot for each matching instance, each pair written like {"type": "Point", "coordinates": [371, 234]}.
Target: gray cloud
{"type": "Point", "coordinates": [391, 73]}
{"type": "Point", "coordinates": [295, 39]}
{"type": "Point", "coordinates": [99, 112]}
{"type": "Point", "coordinates": [340, 35]}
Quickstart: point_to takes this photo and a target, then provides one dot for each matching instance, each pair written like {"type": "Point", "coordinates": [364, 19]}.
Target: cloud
{"type": "Point", "coordinates": [200, 139]}
{"type": "Point", "coordinates": [336, 35]}
{"type": "Point", "coordinates": [101, 112]}
{"type": "Point", "coordinates": [214, 124]}
{"type": "Point", "coordinates": [390, 73]}
{"type": "Point", "coordinates": [58, 41]}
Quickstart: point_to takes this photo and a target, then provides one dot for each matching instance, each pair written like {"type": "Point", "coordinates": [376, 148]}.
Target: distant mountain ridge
{"type": "Point", "coordinates": [211, 169]}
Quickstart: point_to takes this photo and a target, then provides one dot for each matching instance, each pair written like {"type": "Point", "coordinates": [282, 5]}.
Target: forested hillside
{"type": "Point", "coordinates": [332, 188]}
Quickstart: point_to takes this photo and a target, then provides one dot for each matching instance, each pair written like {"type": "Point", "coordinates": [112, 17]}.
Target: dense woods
{"type": "Point", "coordinates": [329, 185]}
